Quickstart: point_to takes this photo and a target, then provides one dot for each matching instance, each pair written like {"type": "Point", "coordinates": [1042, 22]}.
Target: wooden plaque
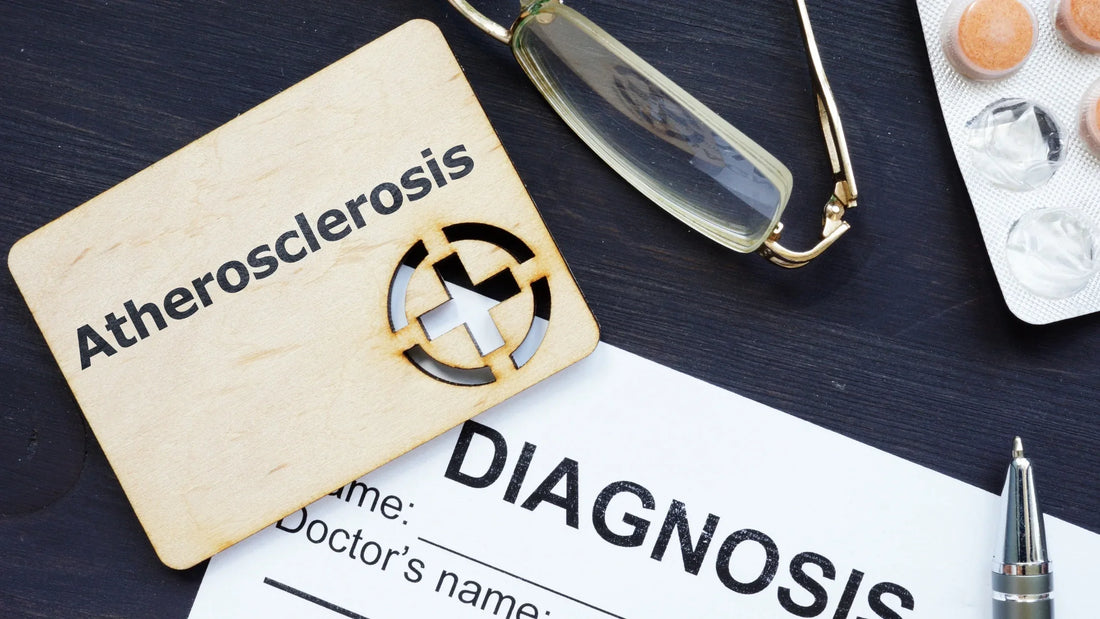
{"type": "Point", "coordinates": [283, 305]}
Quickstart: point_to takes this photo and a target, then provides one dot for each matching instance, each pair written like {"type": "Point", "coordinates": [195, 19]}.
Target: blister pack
{"type": "Point", "coordinates": [1019, 85]}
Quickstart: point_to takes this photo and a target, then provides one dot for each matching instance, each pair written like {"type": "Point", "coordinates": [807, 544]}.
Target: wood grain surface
{"type": "Point", "coordinates": [898, 337]}
{"type": "Point", "coordinates": [220, 421]}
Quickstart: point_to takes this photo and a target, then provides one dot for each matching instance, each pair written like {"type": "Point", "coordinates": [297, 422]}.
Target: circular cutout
{"type": "Point", "coordinates": [454, 332]}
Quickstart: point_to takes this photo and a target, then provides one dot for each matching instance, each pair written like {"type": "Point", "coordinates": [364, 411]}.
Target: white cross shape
{"type": "Point", "coordinates": [464, 308]}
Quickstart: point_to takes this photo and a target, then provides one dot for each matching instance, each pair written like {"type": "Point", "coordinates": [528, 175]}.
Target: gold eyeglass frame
{"type": "Point", "coordinates": [844, 192]}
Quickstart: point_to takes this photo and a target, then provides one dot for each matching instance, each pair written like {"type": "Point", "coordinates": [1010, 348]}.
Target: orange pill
{"type": "Point", "coordinates": [988, 39]}
{"type": "Point", "coordinates": [1078, 21]}
{"type": "Point", "coordinates": [1089, 124]}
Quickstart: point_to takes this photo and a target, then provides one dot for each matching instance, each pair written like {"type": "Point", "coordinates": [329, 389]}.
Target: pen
{"type": "Point", "coordinates": [1023, 583]}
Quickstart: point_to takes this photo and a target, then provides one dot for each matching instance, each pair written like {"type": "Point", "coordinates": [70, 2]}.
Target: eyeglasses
{"type": "Point", "coordinates": [671, 147]}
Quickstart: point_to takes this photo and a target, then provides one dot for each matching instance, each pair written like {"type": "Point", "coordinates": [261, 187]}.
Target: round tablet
{"type": "Point", "coordinates": [1089, 124]}
{"type": "Point", "coordinates": [1078, 21]}
{"type": "Point", "coordinates": [988, 39]}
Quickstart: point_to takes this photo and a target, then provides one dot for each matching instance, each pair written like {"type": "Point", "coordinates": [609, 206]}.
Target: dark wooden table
{"type": "Point", "coordinates": [898, 337]}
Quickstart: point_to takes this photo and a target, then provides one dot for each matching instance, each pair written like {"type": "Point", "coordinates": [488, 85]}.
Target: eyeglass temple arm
{"type": "Point", "coordinates": [844, 192]}
{"type": "Point", "coordinates": [490, 27]}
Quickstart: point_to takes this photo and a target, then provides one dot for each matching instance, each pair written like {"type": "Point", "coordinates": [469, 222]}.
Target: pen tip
{"type": "Point", "coordinates": [1017, 448]}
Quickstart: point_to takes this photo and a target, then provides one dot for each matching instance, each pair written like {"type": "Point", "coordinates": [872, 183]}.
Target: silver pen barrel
{"type": "Point", "coordinates": [1023, 583]}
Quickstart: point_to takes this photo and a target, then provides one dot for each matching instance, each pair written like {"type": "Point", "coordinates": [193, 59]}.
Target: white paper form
{"type": "Point", "coordinates": [621, 488]}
